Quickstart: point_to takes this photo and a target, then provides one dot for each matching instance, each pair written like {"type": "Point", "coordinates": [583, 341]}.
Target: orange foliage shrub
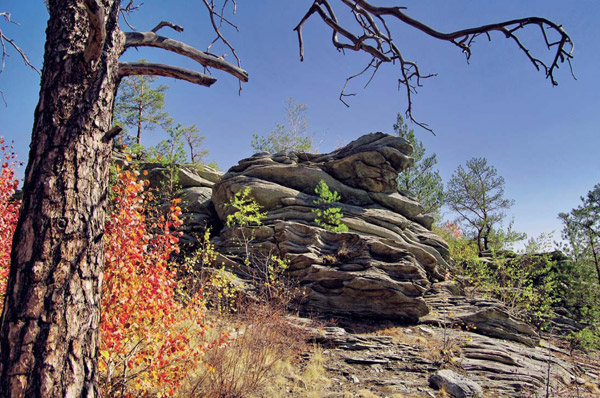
{"type": "Point", "coordinates": [9, 211]}
{"type": "Point", "coordinates": [150, 339]}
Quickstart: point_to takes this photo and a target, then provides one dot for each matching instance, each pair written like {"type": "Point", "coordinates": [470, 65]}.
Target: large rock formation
{"type": "Point", "coordinates": [195, 183]}
{"type": "Point", "coordinates": [388, 266]}
{"type": "Point", "coordinates": [383, 265]}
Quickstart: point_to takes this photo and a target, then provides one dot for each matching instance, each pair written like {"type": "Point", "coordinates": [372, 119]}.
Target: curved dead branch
{"type": "Point", "coordinates": [217, 19]}
{"type": "Point", "coordinates": [126, 11]}
{"type": "Point", "coordinates": [151, 39]}
{"type": "Point", "coordinates": [4, 40]}
{"type": "Point", "coordinates": [151, 69]}
{"type": "Point", "coordinates": [375, 38]}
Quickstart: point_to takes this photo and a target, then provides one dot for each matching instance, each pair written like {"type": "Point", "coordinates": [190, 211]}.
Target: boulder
{"type": "Point", "coordinates": [350, 274]}
{"type": "Point", "coordinates": [190, 176]}
{"type": "Point", "coordinates": [195, 199]}
{"type": "Point", "coordinates": [455, 384]}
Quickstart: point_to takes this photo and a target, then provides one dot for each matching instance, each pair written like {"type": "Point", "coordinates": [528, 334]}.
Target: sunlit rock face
{"type": "Point", "coordinates": [194, 187]}
{"type": "Point", "coordinates": [382, 266]}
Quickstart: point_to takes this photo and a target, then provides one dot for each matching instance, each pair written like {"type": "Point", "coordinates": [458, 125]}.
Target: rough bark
{"type": "Point", "coordinates": [49, 327]}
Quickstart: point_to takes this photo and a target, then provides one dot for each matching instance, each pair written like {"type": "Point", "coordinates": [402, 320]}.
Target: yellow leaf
{"type": "Point", "coordinates": [105, 354]}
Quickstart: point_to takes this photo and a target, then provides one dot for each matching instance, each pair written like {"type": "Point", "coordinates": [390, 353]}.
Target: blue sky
{"type": "Point", "coordinates": [544, 140]}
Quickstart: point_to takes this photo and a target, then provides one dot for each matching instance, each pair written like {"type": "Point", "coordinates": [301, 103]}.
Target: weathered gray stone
{"type": "Point", "coordinates": [455, 384]}
{"type": "Point", "coordinates": [398, 203]}
{"type": "Point", "coordinates": [387, 260]}
{"type": "Point", "coordinates": [387, 267]}
{"type": "Point", "coordinates": [208, 173]}
{"type": "Point", "coordinates": [404, 358]}
{"type": "Point", "coordinates": [196, 183]}
{"type": "Point", "coordinates": [196, 199]}
{"type": "Point", "coordinates": [189, 176]}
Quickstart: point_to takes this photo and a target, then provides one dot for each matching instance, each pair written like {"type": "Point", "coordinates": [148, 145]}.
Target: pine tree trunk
{"type": "Point", "coordinates": [139, 126]}
{"type": "Point", "coordinates": [479, 246]}
{"type": "Point", "coordinates": [49, 326]}
{"type": "Point", "coordinates": [595, 255]}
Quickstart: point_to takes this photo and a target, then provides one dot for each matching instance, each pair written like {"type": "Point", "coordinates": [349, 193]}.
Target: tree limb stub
{"type": "Point", "coordinates": [151, 69]}
{"type": "Point", "coordinates": [374, 37]}
{"type": "Point", "coordinates": [168, 24]}
{"type": "Point", "coordinates": [112, 133]}
{"type": "Point", "coordinates": [93, 49]}
{"type": "Point", "coordinates": [151, 39]}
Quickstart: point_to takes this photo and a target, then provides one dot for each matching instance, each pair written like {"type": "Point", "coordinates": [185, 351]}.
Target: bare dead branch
{"type": "Point", "coordinates": [221, 15]}
{"type": "Point", "coordinates": [97, 34]}
{"type": "Point", "coordinates": [4, 40]}
{"type": "Point", "coordinates": [217, 18]}
{"type": "Point", "coordinates": [151, 69]}
{"type": "Point", "coordinates": [127, 10]}
{"type": "Point", "coordinates": [343, 92]}
{"type": "Point", "coordinates": [125, 18]}
{"type": "Point", "coordinates": [151, 39]}
{"type": "Point", "coordinates": [162, 24]}
{"type": "Point", "coordinates": [131, 6]}
{"type": "Point", "coordinates": [376, 39]}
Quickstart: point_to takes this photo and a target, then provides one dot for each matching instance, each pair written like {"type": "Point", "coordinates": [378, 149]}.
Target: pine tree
{"type": "Point", "coordinates": [580, 274]}
{"type": "Point", "coordinates": [582, 230]}
{"type": "Point", "coordinates": [140, 107]}
{"type": "Point", "coordinates": [194, 142]}
{"type": "Point", "coordinates": [421, 180]}
{"type": "Point", "coordinates": [476, 194]}
{"type": "Point", "coordinates": [170, 153]}
{"type": "Point", "coordinates": [327, 215]}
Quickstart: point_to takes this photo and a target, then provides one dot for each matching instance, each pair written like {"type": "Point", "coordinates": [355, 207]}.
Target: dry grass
{"type": "Point", "coordinates": [443, 349]}
{"type": "Point", "coordinates": [308, 379]}
{"type": "Point", "coordinates": [260, 340]}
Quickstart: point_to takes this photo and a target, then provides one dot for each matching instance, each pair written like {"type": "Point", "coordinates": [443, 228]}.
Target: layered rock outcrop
{"type": "Point", "coordinates": [404, 360]}
{"type": "Point", "coordinates": [195, 184]}
{"type": "Point", "coordinates": [388, 259]}
{"type": "Point", "coordinates": [486, 316]}
{"type": "Point", "coordinates": [388, 266]}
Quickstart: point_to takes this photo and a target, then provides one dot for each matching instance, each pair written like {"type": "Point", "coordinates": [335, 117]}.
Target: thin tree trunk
{"type": "Point", "coordinates": [595, 255]}
{"type": "Point", "coordinates": [139, 126]}
{"type": "Point", "coordinates": [479, 247]}
{"type": "Point", "coordinates": [49, 326]}
{"type": "Point", "coordinates": [486, 237]}
{"type": "Point", "coordinates": [192, 154]}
